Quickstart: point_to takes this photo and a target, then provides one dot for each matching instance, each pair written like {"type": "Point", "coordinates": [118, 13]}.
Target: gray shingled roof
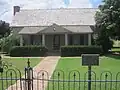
{"type": "Point", "coordinates": [46, 17]}
{"type": "Point", "coordinates": [31, 30]}
{"type": "Point", "coordinates": [58, 29]}
{"type": "Point", "coordinates": [79, 29]}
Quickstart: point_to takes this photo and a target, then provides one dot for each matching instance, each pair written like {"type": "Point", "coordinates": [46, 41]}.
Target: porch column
{"type": "Point", "coordinates": [89, 39]}
{"type": "Point", "coordinates": [43, 39]}
{"type": "Point", "coordinates": [21, 40]}
{"type": "Point", "coordinates": [66, 39]}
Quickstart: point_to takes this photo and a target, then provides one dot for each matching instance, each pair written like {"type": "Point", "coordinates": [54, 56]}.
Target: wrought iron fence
{"type": "Point", "coordinates": [11, 79]}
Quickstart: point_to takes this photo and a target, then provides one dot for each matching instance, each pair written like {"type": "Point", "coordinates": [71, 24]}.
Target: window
{"type": "Point", "coordinates": [81, 39]}
{"type": "Point", "coordinates": [70, 40]}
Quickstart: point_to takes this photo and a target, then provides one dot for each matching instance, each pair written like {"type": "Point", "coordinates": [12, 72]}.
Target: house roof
{"type": "Point", "coordinates": [56, 29]}
{"type": "Point", "coordinates": [46, 17]}
{"type": "Point", "coordinates": [79, 29]}
{"type": "Point", "coordinates": [31, 30]}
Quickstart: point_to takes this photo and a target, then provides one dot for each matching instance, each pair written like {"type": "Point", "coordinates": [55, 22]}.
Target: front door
{"type": "Point", "coordinates": [56, 42]}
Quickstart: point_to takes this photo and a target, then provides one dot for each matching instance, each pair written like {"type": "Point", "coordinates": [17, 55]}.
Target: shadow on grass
{"type": "Point", "coordinates": [114, 56]}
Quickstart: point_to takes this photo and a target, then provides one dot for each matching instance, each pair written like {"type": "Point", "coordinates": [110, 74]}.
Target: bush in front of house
{"type": "Point", "coordinates": [78, 50]}
{"type": "Point", "coordinates": [28, 51]}
{"type": "Point", "coordinates": [7, 42]}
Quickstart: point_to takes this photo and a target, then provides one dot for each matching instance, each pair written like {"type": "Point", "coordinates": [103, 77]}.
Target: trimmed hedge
{"type": "Point", "coordinates": [27, 51]}
{"type": "Point", "coordinates": [78, 50]}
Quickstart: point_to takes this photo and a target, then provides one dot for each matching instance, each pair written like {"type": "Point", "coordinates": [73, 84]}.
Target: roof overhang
{"type": "Point", "coordinates": [31, 30]}
{"type": "Point", "coordinates": [56, 29]}
{"type": "Point", "coordinates": [79, 29]}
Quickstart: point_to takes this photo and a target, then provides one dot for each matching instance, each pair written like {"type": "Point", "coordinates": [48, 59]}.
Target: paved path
{"type": "Point", "coordinates": [48, 64]}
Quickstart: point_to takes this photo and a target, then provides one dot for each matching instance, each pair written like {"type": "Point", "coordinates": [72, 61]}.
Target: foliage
{"type": "Point", "coordinates": [4, 29]}
{"type": "Point", "coordinates": [108, 17]}
{"type": "Point", "coordinates": [104, 41]}
{"type": "Point", "coordinates": [78, 50]}
{"type": "Point", "coordinates": [116, 43]}
{"type": "Point", "coordinates": [27, 51]}
{"type": "Point", "coordinates": [108, 23]}
{"type": "Point", "coordinates": [7, 42]}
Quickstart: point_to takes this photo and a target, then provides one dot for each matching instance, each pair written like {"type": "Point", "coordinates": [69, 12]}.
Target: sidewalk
{"type": "Point", "coordinates": [48, 64]}
{"type": "Point", "coordinates": [3, 56]}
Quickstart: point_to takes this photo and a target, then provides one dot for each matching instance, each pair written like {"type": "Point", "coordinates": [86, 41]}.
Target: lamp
{"type": "Point", "coordinates": [54, 28]}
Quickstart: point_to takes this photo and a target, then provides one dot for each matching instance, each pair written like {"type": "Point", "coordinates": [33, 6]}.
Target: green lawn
{"type": "Point", "coordinates": [116, 49]}
{"type": "Point", "coordinates": [19, 63]}
{"type": "Point", "coordinates": [107, 63]}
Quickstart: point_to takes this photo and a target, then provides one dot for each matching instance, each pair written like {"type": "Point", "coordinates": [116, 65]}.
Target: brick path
{"type": "Point", "coordinates": [48, 64]}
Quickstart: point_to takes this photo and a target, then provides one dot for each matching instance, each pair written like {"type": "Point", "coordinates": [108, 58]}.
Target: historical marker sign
{"type": "Point", "coordinates": [90, 59]}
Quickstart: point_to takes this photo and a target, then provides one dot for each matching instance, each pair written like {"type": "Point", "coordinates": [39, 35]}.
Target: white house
{"type": "Point", "coordinates": [54, 28]}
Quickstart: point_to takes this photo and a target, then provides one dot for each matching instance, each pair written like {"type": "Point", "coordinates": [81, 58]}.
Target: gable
{"type": "Point", "coordinates": [55, 29]}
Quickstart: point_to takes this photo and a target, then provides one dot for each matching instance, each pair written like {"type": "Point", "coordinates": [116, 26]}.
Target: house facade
{"type": "Point", "coordinates": [54, 28]}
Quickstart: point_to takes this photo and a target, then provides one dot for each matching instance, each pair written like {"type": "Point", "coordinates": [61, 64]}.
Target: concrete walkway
{"type": "Point", "coordinates": [48, 64]}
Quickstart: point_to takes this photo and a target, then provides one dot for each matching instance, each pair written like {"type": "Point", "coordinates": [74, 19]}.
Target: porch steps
{"type": "Point", "coordinates": [53, 53]}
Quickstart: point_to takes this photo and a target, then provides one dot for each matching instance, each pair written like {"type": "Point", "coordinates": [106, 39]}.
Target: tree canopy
{"type": "Point", "coordinates": [108, 17]}
{"type": "Point", "coordinates": [4, 29]}
{"type": "Point", "coordinates": [108, 23]}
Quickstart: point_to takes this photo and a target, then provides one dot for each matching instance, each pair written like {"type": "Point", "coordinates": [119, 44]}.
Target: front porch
{"type": "Point", "coordinates": [55, 41]}
{"type": "Point", "coordinates": [55, 36]}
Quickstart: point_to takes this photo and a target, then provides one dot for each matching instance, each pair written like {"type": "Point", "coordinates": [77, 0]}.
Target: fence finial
{"type": "Point", "coordinates": [28, 62]}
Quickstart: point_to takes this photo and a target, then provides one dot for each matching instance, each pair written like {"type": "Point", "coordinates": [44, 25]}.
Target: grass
{"type": "Point", "coordinates": [116, 49]}
{"type": "Point", "coordinates": [19, 63]}
{"type": "Point", "coordinates": [107, 63]}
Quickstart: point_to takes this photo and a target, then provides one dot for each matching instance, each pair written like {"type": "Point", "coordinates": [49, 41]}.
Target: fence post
{"type": "Point", "coordinates": [1, 66]}
{"type": "Point", "coordinates": [89, 77]}
{"type": "Point", "coordinates": [29, 76]}
{"type": "Point", "coordinates": [90, 60]}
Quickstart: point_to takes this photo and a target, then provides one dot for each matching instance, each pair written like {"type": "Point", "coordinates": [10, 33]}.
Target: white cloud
{"type": "Point", "coordinates": [80, 4]}
{"type": "Point", "coordinates": [7, 5]}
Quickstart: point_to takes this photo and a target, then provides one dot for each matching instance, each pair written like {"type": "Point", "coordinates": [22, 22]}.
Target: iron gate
{"type": "Point", "coordinates": [11, 79]}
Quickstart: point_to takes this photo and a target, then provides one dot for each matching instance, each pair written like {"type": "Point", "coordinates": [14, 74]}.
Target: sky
{"type": "Point", "coordinates": [6, 6]}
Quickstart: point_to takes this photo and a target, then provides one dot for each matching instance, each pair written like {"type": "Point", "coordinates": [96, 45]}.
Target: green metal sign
{"type": "Point", "coordinates": [90, 59]}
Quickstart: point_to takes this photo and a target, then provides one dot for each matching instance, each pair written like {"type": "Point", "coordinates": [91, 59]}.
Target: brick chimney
{"type": "Point", "coordinates": [16, 9]}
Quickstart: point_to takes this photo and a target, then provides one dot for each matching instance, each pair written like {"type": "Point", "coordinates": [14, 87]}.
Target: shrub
{"type": "Point", "coordinates": [105, 42]}
{"type": "Point", "coordinates": [6, 43]}
{"type": "Point", "coordinates": [29, 51]}
{"type": "Point", "coordinates": [78, 50]}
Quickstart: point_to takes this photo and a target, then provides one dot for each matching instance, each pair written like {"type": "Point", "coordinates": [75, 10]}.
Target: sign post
{"type": "Point", "coordinates": [90, 60]}
{"type": "Point", "coordinates": [89, 77]}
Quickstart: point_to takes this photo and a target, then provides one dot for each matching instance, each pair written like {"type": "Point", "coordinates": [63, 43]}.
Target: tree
{"type": "Point", "coordinates": [4, 33]}
{"type": "Point", "coordinates": [8, 42]}
{"type": "Point", "coordinates": [104, 41]}
{"type": "Point", "coordinates": [108, 22]}
{"type": "Point", "coordinates": [4, 29]}
{"type": "Point", "coordinates": [108, 17]}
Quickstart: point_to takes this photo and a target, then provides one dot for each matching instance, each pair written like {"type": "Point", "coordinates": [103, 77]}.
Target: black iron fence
{"type": "Point", "coordinates": [11, 79]}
